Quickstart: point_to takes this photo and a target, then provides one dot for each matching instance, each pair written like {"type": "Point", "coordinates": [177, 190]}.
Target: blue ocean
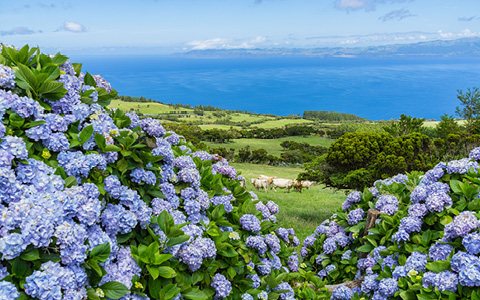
{"type": "Point", "coordinates": [373, 88]}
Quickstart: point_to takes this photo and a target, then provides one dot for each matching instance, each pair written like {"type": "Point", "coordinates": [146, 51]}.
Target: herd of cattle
{"type": "Point", "coordinates": [266, 182]}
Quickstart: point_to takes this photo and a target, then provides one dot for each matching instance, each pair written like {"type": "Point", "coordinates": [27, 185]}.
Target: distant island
{"type": "Point", "coordinates": [464, 47]}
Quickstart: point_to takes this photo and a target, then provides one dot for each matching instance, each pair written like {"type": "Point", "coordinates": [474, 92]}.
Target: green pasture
{"type": "Point", "coordinates": [272, 145]}
{"type": "Point", "coordinates": [145, 108]}
{"type": "Point", "coordinates": [283, 122]}
{"type": "Point", "coordinates": [301, 211]}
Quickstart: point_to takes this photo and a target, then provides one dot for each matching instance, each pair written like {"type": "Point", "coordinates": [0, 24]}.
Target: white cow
{"type": "Point", "coordinates": [268, 179]}
{"type": "Point", "coordinates": [307, 184]}
{"type": "Point", "coordinates": [282, 183]}
{"type": "Point", "coordinates": [260, 184]}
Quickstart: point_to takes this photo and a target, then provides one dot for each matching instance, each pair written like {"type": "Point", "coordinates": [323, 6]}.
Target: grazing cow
{"type": "Point", "coordinates": [282, 183]}
{"type": "Point", "coordinates": [269, 179]}
{"type": "Point", "coordinates": [243, 182]}
{"type": "Point", "coordinates": [297, 186]}
{"type": "Point", "coordinates": [259, 184]}
{"type": "Point", "coordinates": [307, 184]}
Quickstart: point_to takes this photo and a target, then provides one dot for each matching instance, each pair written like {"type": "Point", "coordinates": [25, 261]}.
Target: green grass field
{"type": "Point", "coordinates": [272, 145]}
{"type": "Point", "coordinates": [301, 211]}
{"type": "Point", "coordinates": [145, 108]}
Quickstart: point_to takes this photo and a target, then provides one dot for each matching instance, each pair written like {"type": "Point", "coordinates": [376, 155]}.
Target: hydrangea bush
{"type": "Point", "coordinates": [97, 203]}
{"type": "Point", "coordinates": [425, 243]}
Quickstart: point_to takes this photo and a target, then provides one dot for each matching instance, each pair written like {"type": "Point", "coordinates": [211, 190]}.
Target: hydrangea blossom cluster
{"type": "Point", "coordinates": [42, 207]}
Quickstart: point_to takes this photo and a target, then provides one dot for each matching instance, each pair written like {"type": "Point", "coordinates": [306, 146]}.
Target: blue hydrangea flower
{"type": "Point", "coordinates": [7, 289]}
{"type": "Point", "coordinates": [222, 286]}
{"type": "Point", "coordinates": [352, 198]}
{"type": "Point", "coordinates": [370, 284]}
{"type": "Point", "coordinates": [388, 287]}
{"type": "Point", "coordinates": [387, 204]}
{"type": "Point", "coordinates": [250, 223]}
{"type": "Point", "coordinates": [12, 245]}
{"type": "Point", "coordinates": [342, 293]}
{"type": "Point", "coordinates": [471, 242]}
{"type": "Point", "coordinates": [436, 202]}
{"type": "Point", "coordinates": [418, 210]}
{"type": "Point", "coordinates": [446, 281]}
{"type": "Point", "coordinates": [475, 154]}
{"type": "Point", "coordinates": [470, 275]}
{"type": "Point", "coordinates": [419, 194]}
{"type": "Point", "coordinates": [7, 77]}
{"type": "Point", "coordinates": [416, 261]}
{"type": "Point", "coordinates": [329, 245]}
{"type": "Point", "coordinates": [461, 260]}
{"type": "Point", "coordinates": [152, 127]}
{"type": "Point", "coordinates": [355, 216]}
{"type": "Point", "coordinates": [410, 224]}
{"type": "Point", "coordinates": [461, 166]}
{"type": "Point", "coordinates": [287, 295]}
{"type": "Point", "coordinates": [439, 251]}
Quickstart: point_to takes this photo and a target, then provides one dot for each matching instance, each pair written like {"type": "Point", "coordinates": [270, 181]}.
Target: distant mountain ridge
{"type": "Point", "coordinates": [464, 47]}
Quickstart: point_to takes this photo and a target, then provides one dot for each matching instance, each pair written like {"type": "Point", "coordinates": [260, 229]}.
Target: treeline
{"type": "Point", "coordinates": [331, 116]}
{"type": "Point", "coordinates": [294, 153]}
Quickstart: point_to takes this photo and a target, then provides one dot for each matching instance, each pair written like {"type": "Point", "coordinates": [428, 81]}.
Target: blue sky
{"type": "Point", "coordinates": [166, 26]}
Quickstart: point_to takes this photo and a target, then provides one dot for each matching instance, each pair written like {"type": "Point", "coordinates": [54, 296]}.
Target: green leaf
{"type": "Point", "coordinates": [31, 255]}
{"type": "Point", "coordinates": [195, 295]}
{"type": "Point", "coordinates": [85, 134]}
{"type": "Point", "coordinates": [92, 294]}
{"type": "Point", "coordinates": [156, 193]}
{"type": "Point", "coordinates": [70, 181]}
{"type": "Point", "coordinates": [52, 72]}
{"type": "Point", "coordinates": [454, 184]}
{"type": "Point", "coordinates": [122, 165]}
{"type": "Point", "coordinates": [94, 265]}
{"type": "Point", "coordinates": [100, 140]}
{"type": "Point", "coordinates": [166, 272]}
{"type": "Point", "coordinates": [101, 252]}
{"type": "Point", "coordinates": [177, 240]}
{"type": "Point", "coordinates": [114, 289]}
{"type": "Point", "coordinates": [161, 258]}
{"type": "Point", "coordinates": [155, 287]}
{"type": "Point", "coordinates": [89, 80]}
{"type": "Point", "coordinates": [438, 266]}
{"type": "Point", "coordinates": [52, 90]}
{"type": "Point", "coordinates": [34, 123]}
{"type": "Point", "coordinates": [25, 78]}
{"type": "Point", "coordinates": [408, 295]}
{"type": "Point", "coordinates": [112, 148]}
{"type": "Point", "coordinates": [78, 68]}
{"type": "Point", "coordinates": [19, 267]}
{"type": "Point", "coordinates": [365, 248]}
{"type": "Point", "coordinates": [153, 271]}
{"type": "Point", "coordinates": [59, 59]}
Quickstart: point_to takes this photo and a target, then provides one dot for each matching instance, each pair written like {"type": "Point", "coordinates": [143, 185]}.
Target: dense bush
{"type": "Point", "coordinates": [425, 243]}
{"type": "Point", "coordinates": [100, 204]}
{"type": "Point", "coordinates": [356, 159]}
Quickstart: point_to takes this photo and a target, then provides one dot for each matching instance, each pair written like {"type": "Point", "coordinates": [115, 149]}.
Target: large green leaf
{"type": "Point", "coordinates": [25, 78]}
{"type": "Point", "coordinates": [101, 252]}
{"type": "Point", "coordinates": [114, 289]}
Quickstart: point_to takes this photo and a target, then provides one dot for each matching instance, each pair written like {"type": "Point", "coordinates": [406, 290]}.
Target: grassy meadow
{"type": "Point", "coordinates": [271, 145]}
{"type": "Point", "coordinates": [300, 211]}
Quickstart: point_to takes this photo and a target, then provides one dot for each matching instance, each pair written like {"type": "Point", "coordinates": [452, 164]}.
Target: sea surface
{"type": "Point", "coordinates": [373, 88]}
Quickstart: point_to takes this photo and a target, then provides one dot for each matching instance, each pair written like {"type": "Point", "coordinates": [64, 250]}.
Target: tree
{"type": "Point", "coordinates": [405, 125]}
{"type": "Point", "coordinates": [447, 126]}
{"type": "Point", "coordinates": [470, 108]}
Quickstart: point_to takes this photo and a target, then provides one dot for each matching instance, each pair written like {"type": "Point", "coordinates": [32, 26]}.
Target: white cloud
{"type": "Point", "coordinates": [367, 5]}
{"type": "Point", "coordinates": [72, 26]}
{"type": "Point", "coordinates": [462, 34]}
{"type": "Point", "coordinates": [227, 43]}
{"type": "Point", "coordinates": [398, 14]}
{"type": "Point", "coordinates": [18, 31]}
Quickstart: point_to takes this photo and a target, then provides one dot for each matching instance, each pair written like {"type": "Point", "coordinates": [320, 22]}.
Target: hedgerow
{"type": "Point", "coordinates": [96, 203]}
